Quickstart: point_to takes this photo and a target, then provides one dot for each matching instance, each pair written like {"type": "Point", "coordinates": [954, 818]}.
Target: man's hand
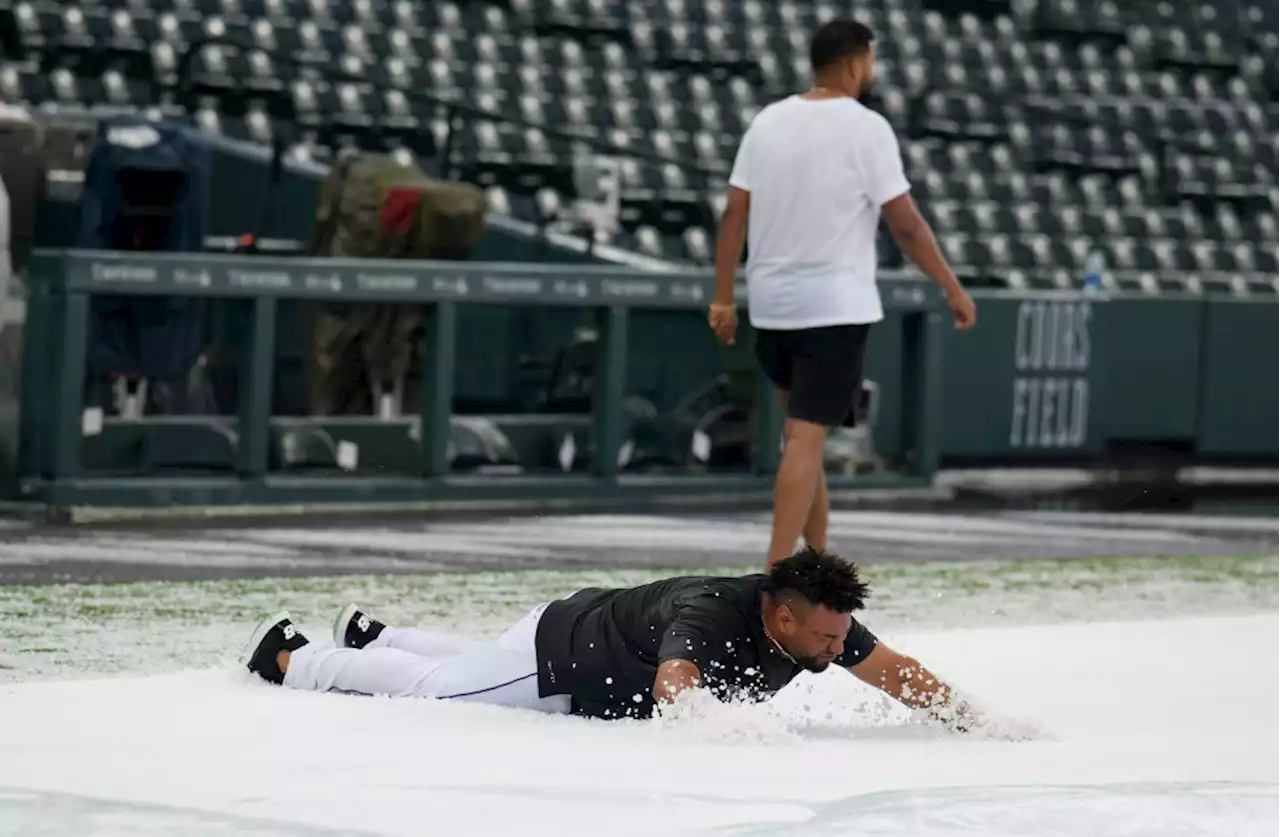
{"type": "Point", "coordinates": [674, 677]}
{"type": "Point", "coordinates": [723, 319]}
{"type": "Point", "coordinates": [962, 308]}
{"type": "Point", "coordinates": [956, 715]}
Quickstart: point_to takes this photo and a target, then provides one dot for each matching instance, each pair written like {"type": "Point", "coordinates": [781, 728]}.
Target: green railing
{"type": "Point", "coordinates": [52, 429]}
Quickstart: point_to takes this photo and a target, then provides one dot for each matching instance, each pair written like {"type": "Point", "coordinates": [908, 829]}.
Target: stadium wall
{"type": "Point", "coordinates": [1064, 378]}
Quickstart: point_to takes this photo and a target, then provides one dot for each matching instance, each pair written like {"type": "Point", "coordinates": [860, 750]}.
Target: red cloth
{"type": "Point", "coordinates": [399, 208]}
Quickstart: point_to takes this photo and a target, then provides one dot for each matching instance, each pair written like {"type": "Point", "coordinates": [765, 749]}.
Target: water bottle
{"type": "Point", "coordinates": [1093, 267]}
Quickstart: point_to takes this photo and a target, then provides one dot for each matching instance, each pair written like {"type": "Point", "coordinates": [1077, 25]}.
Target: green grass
{"type": "Point", "coordinates": [80, 629]}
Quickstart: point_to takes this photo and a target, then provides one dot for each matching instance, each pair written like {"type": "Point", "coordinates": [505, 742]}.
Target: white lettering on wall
{"type": "Point", "coordinates": [1051, 354]}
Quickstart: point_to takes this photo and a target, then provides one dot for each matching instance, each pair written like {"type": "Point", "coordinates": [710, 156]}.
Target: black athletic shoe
{"type": "Point", "coordinates": [353, 629]}
{"type": "Point", "coordinates": [274, 634]}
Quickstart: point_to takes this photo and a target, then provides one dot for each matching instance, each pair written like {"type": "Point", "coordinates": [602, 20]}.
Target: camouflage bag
{"type": "Point", "coordinates": [372, 207]}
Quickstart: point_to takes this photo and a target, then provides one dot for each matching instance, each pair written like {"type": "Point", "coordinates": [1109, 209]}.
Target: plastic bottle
{"type": "Point", "coordinates": [1093, 267]}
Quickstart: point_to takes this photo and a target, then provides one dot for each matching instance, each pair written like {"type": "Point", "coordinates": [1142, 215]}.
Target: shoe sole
{"type": "Point", "coordinates": [260, 633]}
{"type": "Point", "coordinates": [341, 624]}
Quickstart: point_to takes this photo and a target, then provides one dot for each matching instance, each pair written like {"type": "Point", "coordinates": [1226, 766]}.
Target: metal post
{"type": "Point", "coordinates": [72, 321]}
{"type": "Point", "coordinates": [34, 403]}
{"type": "Point", "coordinates": [257, 364]}
{"type": "Point", "coordinates": [438, 362]}
{"type": "Point", "coordinates": [922, 335]}
{"type": "Point", "coordinates": [610, 384]}
{"type": "Point", "coordinates": [934, 327]}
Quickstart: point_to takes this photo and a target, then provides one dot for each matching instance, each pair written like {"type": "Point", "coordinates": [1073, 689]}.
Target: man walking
{"type": "Point", "coordinates": [813, 174]}
{"type": "Point", "coordinates": [618, 653]}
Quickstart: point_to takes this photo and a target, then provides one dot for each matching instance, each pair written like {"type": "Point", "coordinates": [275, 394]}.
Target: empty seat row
{"type": "Point", "coordinates": [1140, 281]}
{"type": "Point", "coordinates": [1230, 22]}
{"type": "Point", "coordinates": [724, 120]}
{"type": "Point", "coordinates": [399, 14]}
{"type": "Point", "coordinates": [783, 15]}
{"type": "Point", "coordinates": [1016, 81]}
{"type": "Point", "coordinates": [1218, 170]}
{"type": "Point", "coordinates": [1225, 225]}
{"type": "Point", "coordinates": [1052, 189]}
{"type": "Point", "coordinates": [976, 253]}
{"type": "Point", "coordinates": [1152, 117]}
{"type": "Point", "coordinates": [64, 87]}
{"type": "Point", "coordinates": [1057, 188]}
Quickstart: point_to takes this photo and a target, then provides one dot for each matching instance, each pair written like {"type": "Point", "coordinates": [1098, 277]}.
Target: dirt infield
{"type": "Point", "coordinates": [34, 554]}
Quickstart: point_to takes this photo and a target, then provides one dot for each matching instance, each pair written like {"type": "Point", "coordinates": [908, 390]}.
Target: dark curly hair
{"type": "Point", "coordinates": [821, 578]}
{"type": "Point", "coordinates": [839, 40]}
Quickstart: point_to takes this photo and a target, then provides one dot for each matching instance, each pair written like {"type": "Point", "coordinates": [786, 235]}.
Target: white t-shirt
{"type": "Point", "coordinates": [818, 172]}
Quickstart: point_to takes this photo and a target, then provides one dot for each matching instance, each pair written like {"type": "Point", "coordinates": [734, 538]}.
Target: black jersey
{"type": "Point", "coordinates": [603, 647]}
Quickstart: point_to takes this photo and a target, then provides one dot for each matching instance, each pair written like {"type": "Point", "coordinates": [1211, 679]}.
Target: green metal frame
{"type": "Point", "coordinates": [63, 281]}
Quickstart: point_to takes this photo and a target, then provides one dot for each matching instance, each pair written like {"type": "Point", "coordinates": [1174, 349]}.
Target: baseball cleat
{"type": "Point", "coordinates": [274, 634]}
{"type": "Point", "coordinates": [355, 629]}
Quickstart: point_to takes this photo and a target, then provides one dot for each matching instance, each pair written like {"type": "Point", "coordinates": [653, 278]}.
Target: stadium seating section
{"type": "Point", "coordinates": [1032, 130]}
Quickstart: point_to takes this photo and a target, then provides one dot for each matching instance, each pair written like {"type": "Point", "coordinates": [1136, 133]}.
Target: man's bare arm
{"type": "Point", "coordinates": [913, 235]}
{"type": "Point", "coordinates": [912, 232]}
{"type": "Point", "coordinates": [906, 680]}
{"type": "Point", "coordinates": [674, 677]}
{"type": "Point", "coordinates": [733, 231]}
{"type": "Point", "coordinates": [722, 315]}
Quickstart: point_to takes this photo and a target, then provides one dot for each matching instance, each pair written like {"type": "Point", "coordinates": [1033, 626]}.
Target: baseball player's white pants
{"type": "Point", "coordinates": [408, 662]}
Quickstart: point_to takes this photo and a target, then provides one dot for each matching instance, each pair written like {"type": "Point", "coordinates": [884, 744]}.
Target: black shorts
{"type": "Point", "coordinates": [821, 368]}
